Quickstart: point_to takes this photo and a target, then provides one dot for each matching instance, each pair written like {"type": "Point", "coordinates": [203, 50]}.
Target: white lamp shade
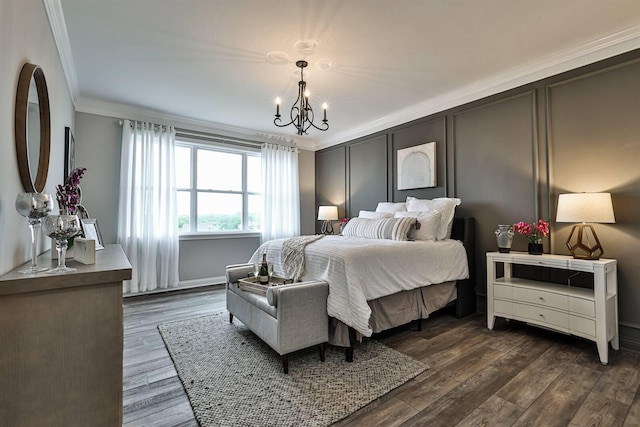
{"type": "Point", "coordinates": [328, 213]}
{"type": "Point", "coordinates": [585, 207]}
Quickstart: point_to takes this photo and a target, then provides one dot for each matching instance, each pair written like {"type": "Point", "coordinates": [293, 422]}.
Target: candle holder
{"type": "Point", "coordinates": [60, 228]}
{"type": "Point", "coordinates": [34, 207]}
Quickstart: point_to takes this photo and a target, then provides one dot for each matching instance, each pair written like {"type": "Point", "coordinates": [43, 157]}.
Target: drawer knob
{"type": "Point", "coordinates": [541, 315]}
{"type": "Point", "coordinates": [541, 299]}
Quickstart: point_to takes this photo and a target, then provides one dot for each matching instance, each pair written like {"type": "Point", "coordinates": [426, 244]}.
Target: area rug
{"type": "Point", "coordinates": [233, 379]}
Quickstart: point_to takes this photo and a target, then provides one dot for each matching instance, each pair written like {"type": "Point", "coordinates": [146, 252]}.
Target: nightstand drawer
{"type": "Point", "coordinates": [557, 319]}
{"type": "Point", "coordinates": [546, 299]}
{"type": "Point", "coordinates": [583, 327]}
{"type": "Point", "coordinates": [582, 306]}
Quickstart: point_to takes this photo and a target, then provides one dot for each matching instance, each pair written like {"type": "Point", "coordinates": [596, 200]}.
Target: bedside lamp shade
{"type": "Point", "coordinates": [584, 208]}
{"type": "Point", "coordinates": [327, 214]}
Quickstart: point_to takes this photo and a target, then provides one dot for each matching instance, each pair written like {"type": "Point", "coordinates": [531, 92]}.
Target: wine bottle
{"type": "Point", "coordinates": [264, 270]}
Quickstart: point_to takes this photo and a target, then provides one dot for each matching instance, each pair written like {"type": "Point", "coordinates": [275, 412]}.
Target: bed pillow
{"type": "Point", "coordinates": [383, 228]}
{"type": "Point", "coordinates": [374, 215]}
{"type": "Point", "coordinates": [445, 205]}
{"type": "Point", "coordinates": [428, 223]}
{"type": "Point", "coordinates": [391, 207]}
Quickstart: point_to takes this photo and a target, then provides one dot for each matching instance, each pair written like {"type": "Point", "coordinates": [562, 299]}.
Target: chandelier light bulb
{"type": "Point", "coordinates": [307, 94]}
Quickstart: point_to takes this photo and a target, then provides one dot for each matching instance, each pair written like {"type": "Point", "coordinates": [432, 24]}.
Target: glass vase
{"type": "Point", "coordinates": [34, 207]}
{"type": "Point", "coordinates": [60, 228]}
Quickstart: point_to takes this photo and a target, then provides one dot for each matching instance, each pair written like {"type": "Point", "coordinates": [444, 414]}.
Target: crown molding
{"type": "Point", "coordinates": [123, 111]}
{"type": "Point", "coordinates": [61, 39]}
{"type": "Point", "coordinates": [597, 50]}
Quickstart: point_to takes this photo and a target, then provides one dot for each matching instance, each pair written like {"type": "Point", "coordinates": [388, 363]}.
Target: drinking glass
{"type": "Point", "coordinates": [270, 268]}
{"type": "Point", "coordinates": [60, 228]}
{"type": "Point", "coordinates": [256, 271]}
{"type": "Point", "coordinates": [34, 207]}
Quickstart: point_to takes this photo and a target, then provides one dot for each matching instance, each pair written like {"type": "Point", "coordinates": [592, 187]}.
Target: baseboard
{"type": "Point", "coordinates": [201, 282]}
{"type": "Point", "coordinates": [184, 285]}
{"type": "Point", "coordinates": [629, 336]}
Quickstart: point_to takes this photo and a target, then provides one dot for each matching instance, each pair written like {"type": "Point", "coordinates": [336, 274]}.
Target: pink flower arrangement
{"type": "Point", "coordinates": [343, 222]}
{"type": "Point", "coordinates": [534, 232]}
{"type": "Point", "coordinates": [68, 196]}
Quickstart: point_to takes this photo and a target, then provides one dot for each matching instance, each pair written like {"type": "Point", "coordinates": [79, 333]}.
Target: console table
{"type": "Point", "coordinates": [61, 343]}
{"type": "Point", "coordinates": [588, 313]}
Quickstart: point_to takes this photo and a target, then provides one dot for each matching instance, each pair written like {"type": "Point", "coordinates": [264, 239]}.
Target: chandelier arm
{"type": "Point", "coordinates": [293, 118]}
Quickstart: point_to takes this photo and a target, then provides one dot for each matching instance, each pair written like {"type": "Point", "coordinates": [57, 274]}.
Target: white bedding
{"type": "Point", "coordinates": [359, 270]}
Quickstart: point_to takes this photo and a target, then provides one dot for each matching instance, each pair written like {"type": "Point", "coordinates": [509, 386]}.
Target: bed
{"type": "Point", "coordinates": [375, 285]}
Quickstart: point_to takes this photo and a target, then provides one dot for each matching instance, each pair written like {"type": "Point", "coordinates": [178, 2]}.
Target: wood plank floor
{"type": "Point", "coordinates": [515, 375]}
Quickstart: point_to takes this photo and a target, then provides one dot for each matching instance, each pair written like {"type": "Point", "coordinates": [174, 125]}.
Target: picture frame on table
{"type": "Point", "coordinates": [69, 152]}
{"type": "Point", "coordinates": [91, 231]}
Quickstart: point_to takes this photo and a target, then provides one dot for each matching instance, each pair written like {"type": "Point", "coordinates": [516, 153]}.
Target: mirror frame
{"type": "Point", "coordinates": [22, 99]}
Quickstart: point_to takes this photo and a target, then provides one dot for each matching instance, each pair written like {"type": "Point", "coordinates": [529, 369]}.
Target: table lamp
{"type": "Point", "coordinates": [584, 208]}
{"type": "Point", "coordinates": [327, 214]}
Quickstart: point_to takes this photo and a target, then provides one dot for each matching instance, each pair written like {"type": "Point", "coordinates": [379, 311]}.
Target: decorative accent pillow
{"type": "Point", "coordinates": [445, 205]}
{"type": "Point", "coordinates": [374, 215]}
{"type": "Point", "coordinates": [391, 207]}
{"type": "Point", "coordinates": [428, 223]}
{"type": "Point", "coordinates": [383, 228]}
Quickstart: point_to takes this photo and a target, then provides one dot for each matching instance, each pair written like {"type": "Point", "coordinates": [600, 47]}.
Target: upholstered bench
{"type": "Point", "coordinates": [288, 318]}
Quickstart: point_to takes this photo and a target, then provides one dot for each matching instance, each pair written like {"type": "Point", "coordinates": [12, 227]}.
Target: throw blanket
{"type": "Point", "coordinates": [293, 255]}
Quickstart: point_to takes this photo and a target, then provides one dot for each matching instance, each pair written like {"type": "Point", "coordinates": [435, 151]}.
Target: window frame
{"type": "Point", "coordinates": [245, 152]}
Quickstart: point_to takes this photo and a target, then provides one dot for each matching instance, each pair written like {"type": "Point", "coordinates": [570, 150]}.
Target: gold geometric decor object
{"type": "Point", "coordinates": [581, 249]}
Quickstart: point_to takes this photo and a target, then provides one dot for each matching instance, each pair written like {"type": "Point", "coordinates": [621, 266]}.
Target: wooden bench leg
{"type": "Point", "coordinates": [285, 363]}
{"type": "Point", "coordinates": [348, 352]}
{"type": "Point", "coordinates": [230, 318]}
{"type": "Point", "coordinates": [322, 352]}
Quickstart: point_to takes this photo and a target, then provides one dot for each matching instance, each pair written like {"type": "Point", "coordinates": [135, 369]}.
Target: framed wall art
{"type": "Point", "coordinates": [69, 152]}
{"type": "Point", "coordinates": [417, 166]}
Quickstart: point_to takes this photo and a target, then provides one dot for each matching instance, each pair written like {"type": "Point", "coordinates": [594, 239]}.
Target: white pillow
{"type": "Point", "coordinates": [384, 228]}
{"type": "Point", "coordinates": [445, 205]}
{"type": "Point", "coordinates": [374, 215]}
{"type": "Point", "coordinates": [429, 222]}
{"type": "Point", "coordinates": [391, 207]}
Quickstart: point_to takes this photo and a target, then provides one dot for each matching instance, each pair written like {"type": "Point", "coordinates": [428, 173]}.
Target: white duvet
{"type": "Point", "coordinates": [359, 270]}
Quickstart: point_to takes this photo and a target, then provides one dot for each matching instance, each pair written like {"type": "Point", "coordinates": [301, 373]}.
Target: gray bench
{"type": "Point", "coordinates": [289, 318]}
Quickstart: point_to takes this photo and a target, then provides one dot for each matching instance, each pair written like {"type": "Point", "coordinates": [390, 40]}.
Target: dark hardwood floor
{"type": "Point", "coordinates": [515, 375]}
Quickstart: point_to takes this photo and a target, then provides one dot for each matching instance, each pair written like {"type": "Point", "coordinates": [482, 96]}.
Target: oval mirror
{"type": "Point", "coordinates": [32, 128]}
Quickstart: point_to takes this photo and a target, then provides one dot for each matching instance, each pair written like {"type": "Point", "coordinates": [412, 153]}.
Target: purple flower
{"type": "Point", "coordinates": [68, 196]}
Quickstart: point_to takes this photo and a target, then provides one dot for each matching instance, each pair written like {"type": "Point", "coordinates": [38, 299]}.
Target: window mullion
{"type": "Point", "coordinates": [245, 197]}
{"type": "Point", "coordinates": [193, 217]}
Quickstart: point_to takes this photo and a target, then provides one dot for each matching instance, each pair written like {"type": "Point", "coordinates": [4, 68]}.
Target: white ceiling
{"type": "Point", "coordinates": [205, 61]}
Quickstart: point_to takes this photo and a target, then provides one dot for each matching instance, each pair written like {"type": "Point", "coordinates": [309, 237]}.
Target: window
{"type": "Point", "coordinates": [219, 189]}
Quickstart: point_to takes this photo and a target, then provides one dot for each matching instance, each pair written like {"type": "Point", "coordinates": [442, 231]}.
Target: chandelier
{"type": "Point", "coordinates": [301, 114]}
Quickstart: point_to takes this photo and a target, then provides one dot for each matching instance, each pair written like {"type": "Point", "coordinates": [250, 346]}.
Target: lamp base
{"type": "Point", "coordinates": [327, 227]}
{"type": "Point", "coordinates": [581, 246]}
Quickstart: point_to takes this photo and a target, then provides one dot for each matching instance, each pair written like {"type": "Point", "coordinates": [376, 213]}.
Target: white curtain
{"type": "Point", "coordinates": [280, 191]}
{"type": "Point", "coordinates": [147, 216]}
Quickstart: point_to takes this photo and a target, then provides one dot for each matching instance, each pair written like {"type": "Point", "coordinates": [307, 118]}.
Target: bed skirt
{"type": "Point", "coordinates": [398, 309]}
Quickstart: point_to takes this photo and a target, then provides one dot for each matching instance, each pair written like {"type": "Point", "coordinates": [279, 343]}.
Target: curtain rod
{"type": "Point", "coordinates": [205, 136]}
{"type": "Point", "coordinates": [211, 137]}
{"type": "Point", "coordinates": [155, 125]}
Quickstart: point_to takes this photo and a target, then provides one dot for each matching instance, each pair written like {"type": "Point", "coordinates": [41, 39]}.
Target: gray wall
{"type": "Point", "coordinates": [25, 36]}
{"type": "Point", "coordinates": [202, 260]}
{"type": "Point", "coordinates": [510, 155]}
